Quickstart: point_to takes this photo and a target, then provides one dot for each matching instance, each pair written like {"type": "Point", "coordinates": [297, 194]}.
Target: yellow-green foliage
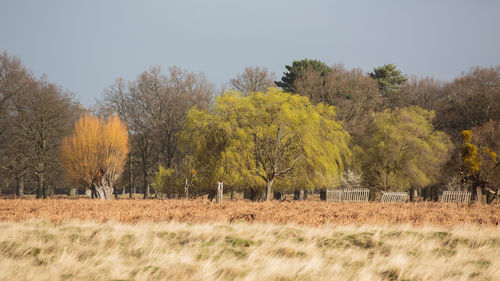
{"type": "Point", "coordinates": [470, 158]}
{"type": "Point", "coordinates": [163, 177]}
{"type": "Point", "coordinates": [401, 149]}
{"type": "Point", "coordinates": [273, 134]}
{"type": "Point", "coordinates": [177, 179]}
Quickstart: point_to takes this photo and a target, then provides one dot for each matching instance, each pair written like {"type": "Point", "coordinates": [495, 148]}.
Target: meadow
{"type": "Point", "coordinates": [83, 239]}
{"type": "Point", "coordinates": [76, 250]}
{"type": "Point", "coordinates": [312, 213]}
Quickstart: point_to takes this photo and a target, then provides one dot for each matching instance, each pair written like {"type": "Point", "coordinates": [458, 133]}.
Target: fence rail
{"type": "Point", "coordinates": [389, 197]}
{"type": "Point", "coordinates": [456, 197]}
{"type": "Point", "coordinates": [348, 195]}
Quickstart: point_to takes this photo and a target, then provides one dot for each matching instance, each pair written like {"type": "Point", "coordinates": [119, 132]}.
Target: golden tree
{"type": "Point", "coordinates": [94, 155]}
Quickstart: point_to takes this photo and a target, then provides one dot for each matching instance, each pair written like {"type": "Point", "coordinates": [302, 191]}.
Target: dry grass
{"type": "Point", "coordinates": [301, 213]}
{"type": "Point", "coordinates": [39, 250]}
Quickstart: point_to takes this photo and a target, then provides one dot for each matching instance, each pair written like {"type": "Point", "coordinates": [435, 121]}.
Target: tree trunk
{"type": "Point", "coordinates": [186, 189]}
{"type": "Point", "coordinates": [278, 195]}
{"type": "Point", "coordinates": [51, 191]}
{"type": "Point", "coordinates": [130, 178]}
{"type": "Point", "coordinates": [20, 186]}
{"type": "Point", "coordinates": [146, 191]}
{"type": "Point", "coordinates": [39, 192]}
{"type": "Point", "coordinates": [269, 189]}
{"type": "Point", "coordinates": [435, 193]}
{"type": "Point", "coordinates": [479, 196]}
{"type": "Point", "coordinates": [211, 195]}
{"type": "Point", "coordinates": [489, 197]}
{"type": "Point", "coordinates": [101, 190]}
{"type": "Point", "coordinates": [251, 194]}
{"type": "Point", "coordinates": [322, 194]}
{"type": "Point", "coordinates": [412, 194]}
{"type": "Point", "coordinates": [46, 190]}
{"type": "Point", "coordinates": [145, 179]}
{"type": "Point", "coordinates": [72, 191]}
{"type": "Point", "coordinates": [301, 194]}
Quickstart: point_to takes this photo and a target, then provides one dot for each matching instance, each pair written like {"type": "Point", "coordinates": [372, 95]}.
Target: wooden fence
{"type": "Point", "coordinates": [348, 195]}
{"type": "Point", "coordinates": [389, 197]}
{"type": "Point", "coordinates": [456, 197]}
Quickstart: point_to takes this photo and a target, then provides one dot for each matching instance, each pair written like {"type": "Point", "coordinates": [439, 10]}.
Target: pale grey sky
{"type": "Point", "coordinates": [85, 45]}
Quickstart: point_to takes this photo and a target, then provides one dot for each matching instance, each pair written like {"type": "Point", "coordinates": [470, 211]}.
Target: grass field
{"type": "Point", "coordinates": [86, 239]}
{"type": "Point", "coordinates": [39, 250]}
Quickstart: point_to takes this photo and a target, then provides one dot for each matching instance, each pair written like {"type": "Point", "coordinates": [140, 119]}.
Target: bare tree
{"type": "Point", "coordinates": [353, 93]}
{"type": "Point", "coordinates": [426, 93]}
{"type": "Point", "coordinates": [117, 101]}
{"type": "Point", "coordinates": [15, 81]}
{"type": "Point", "coordinates": [43, 117]}
{"type": "Point", "coordinates": [470, 101]}
{"type": "Point", "coordinates": [154, 106]}
{"type": "Point", "coordinates": [253, 79]}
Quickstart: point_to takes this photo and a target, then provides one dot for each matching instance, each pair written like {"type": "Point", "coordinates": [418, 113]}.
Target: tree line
{"type": "Point", "coordinates": [172, 134]}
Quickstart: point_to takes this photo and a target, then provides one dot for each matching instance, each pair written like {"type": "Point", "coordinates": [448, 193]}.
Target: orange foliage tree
{"type": "Point", "coordinates": [94, 155]}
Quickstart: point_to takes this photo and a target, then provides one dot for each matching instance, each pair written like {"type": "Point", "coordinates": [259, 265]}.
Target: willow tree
{"type": "Point", "coordinates": [205, 143]}
{"type": "Point", "coordinates": [270, 137]}
{"type": "Point", "coordinates": [94, 155]}
{"type": "Point", "coordinates": [401, 150]}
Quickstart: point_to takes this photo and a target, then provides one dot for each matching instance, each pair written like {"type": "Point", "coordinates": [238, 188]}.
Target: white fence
{"type": "Point", "coordinates": [389, 197]}
{"type": "Point", "coordinates": [348, 195]}
{"type": "Point", "coordinates": [456, 197]}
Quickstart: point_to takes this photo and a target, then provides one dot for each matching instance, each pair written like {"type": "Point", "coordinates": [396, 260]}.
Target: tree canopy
{"type": "Point", "coordinates": [400, 149]}
{"type": "Point", "coordinates": [268, 137]}
{"type": "Point", "coordinates": [253, 79]}
{"type": "Point", "coordinates": [94, 155]}
{"type": "Point", "coordinates": [389, 81]}
{"type": "Point", "coordinates": [352, 92]}
{"type": "Point", "coordinates": [297, 70]}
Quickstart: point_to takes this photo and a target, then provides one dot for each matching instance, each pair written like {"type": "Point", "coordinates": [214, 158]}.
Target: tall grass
{"type": "Point", "coordinates": [78, 250]}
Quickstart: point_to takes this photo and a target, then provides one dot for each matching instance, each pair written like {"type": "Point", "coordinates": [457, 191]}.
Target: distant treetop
{"type": "Point", "coordinates": [299, 68]}
{"type": "Point", "coordinates": [389, 79]}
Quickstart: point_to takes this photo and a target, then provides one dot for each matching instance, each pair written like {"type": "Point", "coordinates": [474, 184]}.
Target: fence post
{"type": "Point", "coordinates": [220, 191]}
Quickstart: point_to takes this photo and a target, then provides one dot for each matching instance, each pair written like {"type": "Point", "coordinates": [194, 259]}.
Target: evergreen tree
{"type": "Point", "coordinates": [297, 70]}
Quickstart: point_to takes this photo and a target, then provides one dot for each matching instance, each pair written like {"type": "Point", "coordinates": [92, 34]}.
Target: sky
{"type": "Point", "coordinates": [85, 45]}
